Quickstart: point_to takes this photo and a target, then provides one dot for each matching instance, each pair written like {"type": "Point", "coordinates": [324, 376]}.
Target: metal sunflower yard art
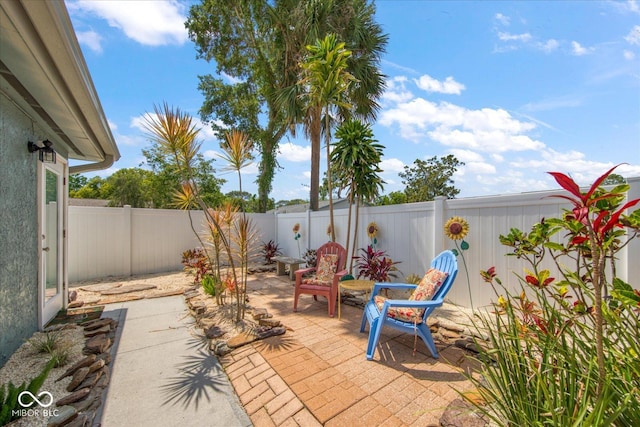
{"type": "Point", "coordinates": [457, 228]}
{"type": "Point", "coordinates": [372, 232]}
{"type": "Point", "coordinates": [296, 235]}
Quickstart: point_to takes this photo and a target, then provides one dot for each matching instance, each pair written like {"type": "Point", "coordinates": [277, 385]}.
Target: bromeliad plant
{"type": "Point", "coordinates": [565, 350]}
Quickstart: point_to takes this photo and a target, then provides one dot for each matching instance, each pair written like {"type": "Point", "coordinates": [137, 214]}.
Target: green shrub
{"type": "Point", "coordinates": [565, 351]}
{"type": "Point", "coordinates": [9, 395]}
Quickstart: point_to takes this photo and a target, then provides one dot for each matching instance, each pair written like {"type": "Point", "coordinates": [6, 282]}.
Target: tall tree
{"type": "Point", "coordinates": [353, 22]}
{"type": "Point", "coordinates": [244, 38]}
{"type": "Point", "coordinates": [356, 156]}
{"type": "Point", "coordinates": [129, 186]}
{"type": "Point", "coordinates": [430, 178]}
{"type": "Point", "coordinates": [327, 81]}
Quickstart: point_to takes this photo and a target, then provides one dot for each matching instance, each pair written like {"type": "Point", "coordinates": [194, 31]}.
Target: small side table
{"type": "Point", "coordinates": [293, 263]}
{"type": "Point", "coordinates": [353, 285]}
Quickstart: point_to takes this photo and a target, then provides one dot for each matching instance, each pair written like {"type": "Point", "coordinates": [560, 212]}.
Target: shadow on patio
{"type": "Point", "coordinates": [317, 373]}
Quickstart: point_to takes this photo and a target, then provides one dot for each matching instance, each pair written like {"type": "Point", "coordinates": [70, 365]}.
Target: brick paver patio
{"type": "Point", "coordinates": [317, 374]}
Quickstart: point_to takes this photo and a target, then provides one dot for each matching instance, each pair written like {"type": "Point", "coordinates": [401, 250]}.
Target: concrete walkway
{"type": "Point", "coordinates": [162, 373]}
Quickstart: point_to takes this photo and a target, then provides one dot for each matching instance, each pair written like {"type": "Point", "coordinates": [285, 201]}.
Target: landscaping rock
{"type": "Point", "coordinates": [78, 377]}
{"type": "Point", "coordinates": [97, 344]}
{"type": "Point", "coordinates": [214, 332]}
{"type": "Point", "coordinates": [219, 348]}
{"type": "Point", "coordinates": [241, 339]}
{"type": "Point", "coordinates": [103, 330]}
{"type": "Point", "coordinates": [74, 397]}
{"type": "Point", "coordinates": [272, 323]}
{"type": "Point", "coordinates": [260, 313]}
{"type": "Point", "coordinates": [79, 421]}
{"type": "Point", "coordinates": [98, 364]}
{"type": "Point", "coordinates": [101, 288]}
{"type": "Point", "coordinates": [262, 334]}
{"type": "Point", "coordinates": [75, 304]}
{"type": "Point", "coordinates": [460, 413]}
{"type": "Point", "coordinates": [87, 361]}
{"type": "Point", "coordinates": [97, 324]}
{"type": "Point", "coordinates": [128, 289]}
{"type": "Point", "coordinates": [65, 415]}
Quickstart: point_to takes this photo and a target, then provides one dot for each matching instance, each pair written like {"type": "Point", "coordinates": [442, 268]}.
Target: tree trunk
{"type": "Point", "coordinates": [355, 232]}
{"type": "Point", "coordinates": [314, 189]}
{"type": "Point", "coordinates": [349, 223]}
{"type": "Point", "coordinates": [327, 140]}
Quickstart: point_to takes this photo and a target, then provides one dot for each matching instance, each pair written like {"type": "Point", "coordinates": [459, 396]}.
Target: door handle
{"type": "Point", "coordinates": [46, 249]}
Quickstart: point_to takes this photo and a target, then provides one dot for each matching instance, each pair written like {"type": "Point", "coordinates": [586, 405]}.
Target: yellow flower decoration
{"type": "Point", "coordinates": [329, 230]}
{"type": "Point", "coordinates": [456, 228]}
{"type": "Point", "coordinates": [372, 230]}
{"type": "Point", "coordinates": [296, 228]}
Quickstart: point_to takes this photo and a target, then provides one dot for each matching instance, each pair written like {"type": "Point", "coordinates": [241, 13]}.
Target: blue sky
{"type": "Point", "coordinates": [513, 89]}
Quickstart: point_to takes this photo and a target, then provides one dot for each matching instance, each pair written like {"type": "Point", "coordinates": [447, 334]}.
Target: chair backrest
{"type": "Point", "coordinates": [446, 262]}
{"type": "Point", "coordinates": [332, 248]}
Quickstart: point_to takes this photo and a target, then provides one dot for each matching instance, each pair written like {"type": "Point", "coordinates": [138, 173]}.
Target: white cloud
{"type": "Point", "coordinates": [91, 39]}
{"type": "Point", "coordinates": [503, 19]}
{"type": "Point", "coordinates": [628, 55]}
{"type": "Point", "coordinates": [634, 36]}
{"type": "Point", "coordinates": [392, 165]}
{"type": "Point", "coordinates": [480, 168]}
{"type": "Point", "coordinates": [548, 46]}
{"type": "Point", "coordinates": [578, 50]}
{"type": "Point", "coordinates": [566, 101]}
{"type": "Point", "coordinates": [449, 86]}
{"type": "Point", "coordinates": [396, 91]}
{"type": "Point", "coordinates": [294, 153]}
{"type": "Point", "coordinates": [231, 79]}
{"type": "Point", "coordinates": [467, 156]}
{"type": "Point", "coordinates": [153, 23]}
{"type": "Point", "coordinates": [508, 37]}
{"type": "Point", "coordinates": [488, 130]}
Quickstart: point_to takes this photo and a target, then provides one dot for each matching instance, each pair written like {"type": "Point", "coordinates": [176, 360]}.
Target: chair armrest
{"type": "Point", "coordinates": [378, 286]}
{"type": "Point", "coordinates": [414, 304]}
{"type": "Point", "coordinates": [302, 271]}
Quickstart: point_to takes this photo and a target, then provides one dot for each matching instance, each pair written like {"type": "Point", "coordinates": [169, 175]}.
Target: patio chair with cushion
{"type": "Point", "coordinates": [410, 315]}
{"type": "Point", "coordinates": [330, 263]}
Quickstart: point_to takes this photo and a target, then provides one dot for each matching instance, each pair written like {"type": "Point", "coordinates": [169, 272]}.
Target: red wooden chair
{"type": "Point", "coordinates": [330, 267]}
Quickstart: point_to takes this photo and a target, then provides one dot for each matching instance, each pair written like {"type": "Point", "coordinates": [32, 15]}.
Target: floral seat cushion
{"type": "Point", "coordinates": [425, 290]}
{"type": "Point", "coordinates": [325, 272]}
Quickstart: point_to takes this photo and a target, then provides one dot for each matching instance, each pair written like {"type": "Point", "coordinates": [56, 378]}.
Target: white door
{"type": "Point", "coordinates": [52, 196]}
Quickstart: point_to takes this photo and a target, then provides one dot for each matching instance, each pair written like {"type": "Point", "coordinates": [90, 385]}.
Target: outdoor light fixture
{"type": "Point", "coordinates": [47, 153]}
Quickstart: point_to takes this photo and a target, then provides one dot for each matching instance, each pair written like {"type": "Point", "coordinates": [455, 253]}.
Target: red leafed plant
{"type": "Point", "coordinates": [374, 265]}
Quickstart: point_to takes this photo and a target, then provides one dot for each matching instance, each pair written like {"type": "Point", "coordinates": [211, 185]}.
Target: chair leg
{"type": "Point", "coordinates": [425, 334]}
{"type": "Point", "coordinates": [295, 301]}
{"type": "Point", "coordinates": [364, 321]}
{"type": "Point", "coordinates": [375, 328]}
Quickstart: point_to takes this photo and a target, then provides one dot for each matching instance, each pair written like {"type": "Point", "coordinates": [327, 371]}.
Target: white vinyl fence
{"type": "Point", "coordinates": [117, 241]}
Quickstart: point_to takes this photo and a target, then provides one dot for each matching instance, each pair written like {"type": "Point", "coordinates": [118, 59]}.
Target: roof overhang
{"type": "Point", "coordinates": [44, 73]}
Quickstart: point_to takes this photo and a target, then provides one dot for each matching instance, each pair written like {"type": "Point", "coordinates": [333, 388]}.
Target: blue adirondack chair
{"type": "Point", "coordinates": [378, 318]}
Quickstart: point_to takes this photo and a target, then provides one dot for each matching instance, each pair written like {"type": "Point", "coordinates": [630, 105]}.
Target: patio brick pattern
{"type": "Point", "coordinates": [317, 374]}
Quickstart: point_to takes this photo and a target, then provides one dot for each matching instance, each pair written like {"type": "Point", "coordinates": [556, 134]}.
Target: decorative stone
{"type": "Point", "coordinates": [96, 365]}
{"type": "Point", "coordinates": [73, 295]}
{"type": "Point", "coordinates": [449, 334]}
{"type": "Point", "coordinates": [101, 288]}
{"type": "Point", "coordinates": [104, 380]}
{"type": "Point", "coordinates": [214, 332]}
{"type": "Point", "coordinates": [269, 322]}
{"type": "Point", "coordinates": [78, 377]}
{"type": "Point", "coordinates": [271, 332]}
{"type": "Point", "coordinates": [191, 294]}
{"type": "Point", "coordinates": [432, 321]}
{"type": "Point", "coordinates": [103, 330]}
{"type": "Point", "coordinates": [198, 307]}
{"type": "Point", "coordinates": [91, 379]}
{"type": "Point", "coordinates": [75, 304]}
{"type": "Point", "coordinates": [460, 413]}
{"type": "Point", "coordinates": [260, 313]}
{"type": "Point", "coordinates": [97, 324]}
{"type": "Point", "coordinates": [452, 326]}
{"type": "Point", "coordinates": [79, 421]}
{"type": "Point", "coordinates": [241, 339]}
{"type": "Point", "coordinates": [74, 397]}
{"type": "Point", "coordinates": [106, 357]}
{"type": "Point", "coordinates": [128, 289]}
{"type": "Point", "coordinates": [97, 344]}
{"type": "Point", "coordinates": [219, 348]}
{"type": "Point", "coordinates": [65, 415]}
{"type": "Point", "coordinates": [87, 361]}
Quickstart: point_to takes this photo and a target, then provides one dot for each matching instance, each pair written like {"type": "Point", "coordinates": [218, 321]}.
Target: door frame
{"type": "Point", "coordinates": [47, 309]}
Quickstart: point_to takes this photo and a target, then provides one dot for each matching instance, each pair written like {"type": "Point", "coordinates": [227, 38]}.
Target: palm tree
{"type": "Point", "coordinates": [357, 155]}
{"type": "Point", "coordinates": [353, 22]}
{"type": "Point", "coordinates": [326, 80]}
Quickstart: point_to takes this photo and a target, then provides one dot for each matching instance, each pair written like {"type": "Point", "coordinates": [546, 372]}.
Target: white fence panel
{"type": "Point", "coordinates": [122, 241]}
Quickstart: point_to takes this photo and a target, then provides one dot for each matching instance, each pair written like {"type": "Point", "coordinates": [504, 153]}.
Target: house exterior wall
{"type": "Point", "coordinates": [18, 229]}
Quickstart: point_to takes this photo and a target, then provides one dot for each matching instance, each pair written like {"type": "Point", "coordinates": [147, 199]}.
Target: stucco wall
{"type": "Point", "coordinates": [18, 229]}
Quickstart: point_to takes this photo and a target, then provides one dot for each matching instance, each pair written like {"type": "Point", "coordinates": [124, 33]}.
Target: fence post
{"type": "Point", "coordinates": [438, 225]}
{"type": "Point", "coordinates": [128, 239]}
